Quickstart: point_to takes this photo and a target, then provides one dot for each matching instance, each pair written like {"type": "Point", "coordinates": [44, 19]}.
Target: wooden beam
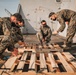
{"type": "Point", "coordinates": [22, 61]}
{"type": "Point", "coordinates": [43, 62]}
{"type": "Point", "coordinates": [9, 63]}
{"type": "Point", "coordinates": [32, 62]}
{"type": "Point", "coordinates": [52, 60]}
{"type": "Point", "coordinates": [21, 50]}
{"type": "Point", "coordinates": [49, 65]}
{"type": "Point", "coordinates": [32, 73]}
{"type": "Point", "coordinates": [70, 58]}
{"type": "Point", "coordinates": [49, 50]}
{"type": "Point", "coordinates": [64, 62]}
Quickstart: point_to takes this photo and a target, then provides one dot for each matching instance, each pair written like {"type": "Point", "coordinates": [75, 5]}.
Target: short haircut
{"type": "Point", "coordinates": [21, 20]}
{"type": "Point", "coordinates": [17, 15]}
{"type": "Point", "coordinates": [43, 21]}
{"type": "Point", "coordinates": [51, 14]}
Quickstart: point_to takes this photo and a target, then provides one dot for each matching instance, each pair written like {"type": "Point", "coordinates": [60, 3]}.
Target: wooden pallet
{"type": "Point", "coordinates": [39, 48]}
{"type": "Point", "coordinates": [34, 63]}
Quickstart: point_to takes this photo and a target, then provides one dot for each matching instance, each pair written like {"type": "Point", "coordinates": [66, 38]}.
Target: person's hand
{"type": "Point", "coordinates": [21, 43]}
{"type": "Point", "coordinates": [55, 32]}
{"type": "Point", "coordinates": [67, 22]}
{"type": "Point", "coordinates": [43, 40]}
{"type": "Point", "coordinates": [15, 52]}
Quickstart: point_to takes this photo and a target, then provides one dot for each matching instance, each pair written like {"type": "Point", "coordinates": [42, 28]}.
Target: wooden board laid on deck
{"type": "Point", "coordinates": [71, 59]}
{"type": "Point", "coordinates": [64, 62]}
{"type": "Point", "coordinates": [43, 63]}
{"type": "Point", "coordinates": [22, 61]}
{"type": "Point", "coordinates": [9, 63]}
{"type": "Point", "coordinates": [32, 62]}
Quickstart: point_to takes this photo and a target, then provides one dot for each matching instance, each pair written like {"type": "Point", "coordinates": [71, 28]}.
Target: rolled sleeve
{"type": "Point", "coordinates": [62, 23]}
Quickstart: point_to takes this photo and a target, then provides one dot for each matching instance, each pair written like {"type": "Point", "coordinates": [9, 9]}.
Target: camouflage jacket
{"type": "Point", "coordinates": [46, 32]}
{"type": "Point", "coordinates": [16, 33]}
{"type": "Point", "coordinates": [5, 24]}
{"type": "Point", "coordinates": [63, 16]}
{"type": "Point", "coordinates": [11, 33]}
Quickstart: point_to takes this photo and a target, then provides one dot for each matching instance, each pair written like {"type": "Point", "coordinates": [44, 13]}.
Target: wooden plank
{"type": "Point", "coordinates": [9, 63]}
{"type": "Point", "coordinates": [12, 65]}
{"type": "Point", "coordinates": [52, 60]}
{"type": "Point", "coordinates": [27, 73]}
{"type": "Point", "coordinates": [64, 62]}
{"type": "Point", "coordinates": [21, 50]}
{"type": "Point", "coordinates": [22, 62]}
{"type": "Point", "coordinates": [32, 62]}
{"type": "Point", "coordinates": [70, 58]}
{"type": "Point", "coordinates": [49, 50]}
{"type": "Point", "coordinates": [51, 69]}
{"type": "Point", "coordinates": [43, 62]}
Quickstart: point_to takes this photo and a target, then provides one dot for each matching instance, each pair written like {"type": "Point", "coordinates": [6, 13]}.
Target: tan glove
{"type": "Point", "coordinates": [20, 43]}
{"type": "Point", "coordinates": [55, 32]}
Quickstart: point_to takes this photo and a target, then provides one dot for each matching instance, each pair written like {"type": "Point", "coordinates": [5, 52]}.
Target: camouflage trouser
{"type": "Point", "coordinates": [6, 43]}
{"type": "Point", "coordinates": [71, 31]}
{"type": "Point", "coordinates": [40, 37]}
{"type": "Point", "coordinates": [9, 43]}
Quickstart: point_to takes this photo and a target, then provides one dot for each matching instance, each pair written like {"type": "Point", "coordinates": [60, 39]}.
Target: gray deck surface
{"type": "Point", "coordinates": [54, 39]}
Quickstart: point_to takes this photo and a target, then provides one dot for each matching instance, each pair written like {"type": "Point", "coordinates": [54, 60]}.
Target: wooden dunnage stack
{"type": "Point", "coordinates": [50, 63]}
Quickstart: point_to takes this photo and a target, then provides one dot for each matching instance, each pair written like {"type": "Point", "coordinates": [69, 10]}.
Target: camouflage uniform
{"type": "Point", "coordinates": [12, 35]}
{"type": "Point", "coordinates": [16, 33]}
{"type": "Point", "coordinates": [5, 42]}
{"type": "Point", "coordinates": [70, 16]}
{"type": "Point", "coordinates": [45, 32]}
